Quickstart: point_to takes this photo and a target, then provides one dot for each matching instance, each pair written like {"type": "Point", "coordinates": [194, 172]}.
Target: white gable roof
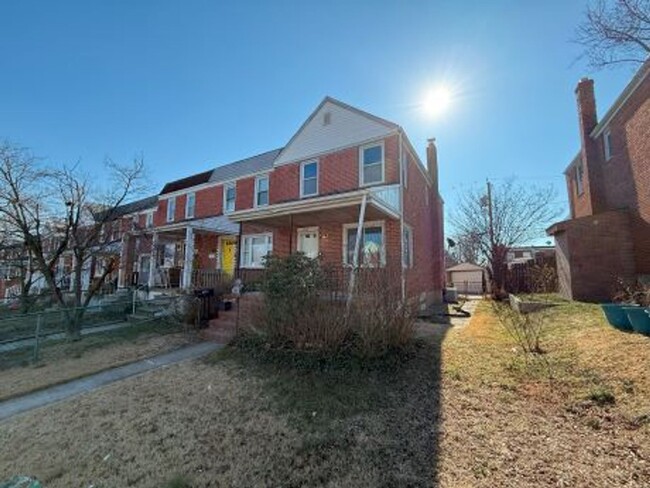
{"type": "Point", "coordinates": [321, 133]}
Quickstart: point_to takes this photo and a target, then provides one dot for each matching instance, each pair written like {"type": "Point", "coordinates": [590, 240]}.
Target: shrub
{"type": "Point", "coordinates": [526, 329]}
{"type": "Point", "coordinates": [306, 307]}
{"type": "Point", "coordinates": [379, 315]}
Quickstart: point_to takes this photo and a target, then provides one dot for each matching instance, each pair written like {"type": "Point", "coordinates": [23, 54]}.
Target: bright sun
{"type": "Point", "coordinates": [437, 101]}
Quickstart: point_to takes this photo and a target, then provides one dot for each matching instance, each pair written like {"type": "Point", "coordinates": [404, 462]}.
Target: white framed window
{"type": "Point", "coordinates": [149, 220]}
{"type": "Point", "coordinates": [372, 247]}
{"type": "Point", "coordinates": [229, 196]}
{"type": "Point", "coordinates": [607, 144]}
{"type": "Point", "coordinates": [407, 247]}
{"type": "Point", "coordinates": [371, 164]}
{"type": "Point", "coordinates": [308, 178]}
{"type": "Point", "coordinates": [135, 222]}
{"type": "Point", "coordinates": [580, 188]}
{"type": "Point", "coordinates": [190, 205]}
{"type": "Point", "coordinates": [254, 247]}
{"type": "Point", "coordinates": [171, 209]}
{"type": "Point", "coordinates": [261, 191]}
{"type": "Point", "coordinates": [405, 168]}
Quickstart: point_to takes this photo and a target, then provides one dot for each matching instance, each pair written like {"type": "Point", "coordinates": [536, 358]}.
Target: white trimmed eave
{"type": "Point", "coordinates": [315, 204]}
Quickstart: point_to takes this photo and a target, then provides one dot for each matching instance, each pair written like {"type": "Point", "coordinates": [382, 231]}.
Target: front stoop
{"type": "Point", "coordinates": [221, 330]}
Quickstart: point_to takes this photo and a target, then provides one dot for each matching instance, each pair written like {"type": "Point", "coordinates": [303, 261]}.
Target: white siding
{"type": "Point", "coordinates": [345, 128]}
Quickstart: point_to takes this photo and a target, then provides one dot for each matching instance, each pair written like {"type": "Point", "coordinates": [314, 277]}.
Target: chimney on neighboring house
{"type": "Point", "coordinates": [590, 150]}
{"type": "Point", "coordinates": [432, 163]}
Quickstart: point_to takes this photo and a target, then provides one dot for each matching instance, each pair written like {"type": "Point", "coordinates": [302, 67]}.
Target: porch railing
{"type": "Point", "coordinates": [389, 195]}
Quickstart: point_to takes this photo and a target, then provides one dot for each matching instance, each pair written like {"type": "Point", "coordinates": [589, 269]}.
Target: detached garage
{"type": "Point", "coordinates": [467, 278]}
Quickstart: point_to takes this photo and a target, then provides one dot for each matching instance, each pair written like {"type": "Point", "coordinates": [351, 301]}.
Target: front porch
{"type": "Point", "coordinates": [182, 256]}
{"type": "Point", "coordinates": [326, 228]}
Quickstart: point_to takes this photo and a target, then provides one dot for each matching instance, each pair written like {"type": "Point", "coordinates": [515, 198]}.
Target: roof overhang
{"type": "Point", "coordinates": [315, 204]}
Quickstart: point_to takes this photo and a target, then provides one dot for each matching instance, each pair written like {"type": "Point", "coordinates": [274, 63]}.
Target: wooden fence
{"type": "Point", "coordinates": [539, 276]}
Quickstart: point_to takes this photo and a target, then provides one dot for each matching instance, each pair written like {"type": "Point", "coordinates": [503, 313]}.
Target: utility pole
{"type": "Point", "coordinates": [489, 204]}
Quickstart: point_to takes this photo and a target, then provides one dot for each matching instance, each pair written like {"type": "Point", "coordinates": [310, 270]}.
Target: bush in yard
{"type": "Point", "coordinates": [380, 318]}
{"type": "Point", "coordinates": [306, 307]}
{"type": "Point", "coordinates": [526, 329]}
{"type": "Point", "coordinates": [295, 314]}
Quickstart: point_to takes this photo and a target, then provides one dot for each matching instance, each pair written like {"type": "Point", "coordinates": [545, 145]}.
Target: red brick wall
{"type": "Point", "coordinates": [422, 212]}
{"type": "Point", "coordinates": [244, 193]}
{"type": "Point", "coordinates": [624, 180]}
{"type": "Point", "coordinates": [592, 253]}
{"type": "Point", "coordinates": [209, 202]}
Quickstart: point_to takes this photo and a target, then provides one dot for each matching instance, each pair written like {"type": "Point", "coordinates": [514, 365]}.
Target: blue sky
{"type": "Point", "coordinates": [190, 85]}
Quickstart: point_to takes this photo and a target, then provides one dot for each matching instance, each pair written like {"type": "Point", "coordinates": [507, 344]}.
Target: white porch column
{"type": "Point", "coordinates": [152, 260]}
{"type": "Point", "coordinates": [73, 274]}
{"type": "Point", "coordinates": [189, 258]}
{"type": "Point", "coordinates": [124, 253]}
{"type": "Point", "coordinates": [357, 245]}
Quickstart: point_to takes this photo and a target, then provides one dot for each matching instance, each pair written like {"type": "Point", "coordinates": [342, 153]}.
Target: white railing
{"type": "Point", "coordinates": [389, 195]}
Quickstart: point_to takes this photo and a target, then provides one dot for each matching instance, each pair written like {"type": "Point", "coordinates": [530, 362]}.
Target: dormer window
{"type": "Point", "coordinates": [607, 144]}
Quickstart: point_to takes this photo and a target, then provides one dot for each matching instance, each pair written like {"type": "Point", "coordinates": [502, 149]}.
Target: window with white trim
{"type": "Point", "coordinates": [371, 164]}
{"type": "Point", "coordinates": [309, 178]}
{"type": "Point", "coordinates": [229, 196]}
{"type": "Point", "coordinates": [254, 248]}
{"type": "Point", "coordinates": [261, 191]}
{"type": "Point", "coordinates": [149, 220]}
{"type": "Point", "coordinates": [372, 250]}
{"type": "Point", "coordinates": [407, 247]}
{"type": "Point", "coordinates": [405, 168]}
{"type": "Point", "coordinates": [171, 209]}
{"type": "Point", "coordinates": [607, 144]}
{"type": "Point", "coordinates": [190, 205]}
{"type": "Point", "coordinates": [579, 179]}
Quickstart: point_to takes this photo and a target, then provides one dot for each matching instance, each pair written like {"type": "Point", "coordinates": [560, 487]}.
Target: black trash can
{"type": "Point", "coordinates": [207, 306]}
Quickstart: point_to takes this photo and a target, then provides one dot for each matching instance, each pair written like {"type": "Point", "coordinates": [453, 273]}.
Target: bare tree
{"type": "Point", "coordinates": [616, 31]}
{"type": "Point", "coordinates": [510, 214]}
{"type": "Point", "coordinates": [468, 248]}
{"type": "Point", "coordinates": [59, 212]}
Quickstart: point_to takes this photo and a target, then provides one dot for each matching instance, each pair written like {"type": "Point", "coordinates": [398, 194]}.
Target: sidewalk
{"type": "Point", "coordinates": [57, 393]}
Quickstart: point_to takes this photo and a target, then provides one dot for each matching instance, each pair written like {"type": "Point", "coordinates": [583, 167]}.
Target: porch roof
{"type": "Point", "coordinates": [219, 224]}
{"type": "Point", "coordinates": [377, 205]}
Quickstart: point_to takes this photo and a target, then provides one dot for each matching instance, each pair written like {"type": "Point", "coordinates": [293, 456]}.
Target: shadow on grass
{"type": "Point", "coordinates": [365, 421]}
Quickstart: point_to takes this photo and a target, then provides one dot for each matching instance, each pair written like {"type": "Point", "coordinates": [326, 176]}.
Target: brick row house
{"type": "Point", "coordinates": [608, 235]}
{"type": "Point", "coordinates": [344, 169]}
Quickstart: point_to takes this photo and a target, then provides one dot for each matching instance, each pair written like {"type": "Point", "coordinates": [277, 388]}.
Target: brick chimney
{"type": "Point", "coordinates": [432, 163]}
{"type": "Point", "coordinates": [590, 149]}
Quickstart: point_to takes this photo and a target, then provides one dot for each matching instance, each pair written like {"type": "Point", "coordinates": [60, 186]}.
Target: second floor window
{"type": "Point", "coordinates": [607, 144]}
{"type": "Point", "coordinates": [149, 220]}
{"type": "Point", "coordinates": [171, 209]}
{"type": "Point", "coordinates": [190, 206]}
{"type": "Point", "coordinates": [262, 191]}
{"type": "Point", "coordinates": [372, 164]}
{"type": "Point", "coordinates": [229, 195]}
{"type": "Point", "coordinates": [309, 178]}
{"type": "Point", "coordinates": [580, 188]}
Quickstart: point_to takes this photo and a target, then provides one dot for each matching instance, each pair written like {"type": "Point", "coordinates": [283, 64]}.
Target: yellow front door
{"type": "Point", "coordinates": [228, 250]}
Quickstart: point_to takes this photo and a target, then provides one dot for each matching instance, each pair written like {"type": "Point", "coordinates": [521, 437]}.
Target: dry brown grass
{"type": "Point", "coordinates": [259, 419]}
{"type": "Point", "coordinates": [508, 424]}
{"type": "Point", "coordinates": [67, 361]}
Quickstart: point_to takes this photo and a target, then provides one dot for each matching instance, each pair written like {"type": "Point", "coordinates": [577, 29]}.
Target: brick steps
{"type": "Point", "coordinates": [221, 330]}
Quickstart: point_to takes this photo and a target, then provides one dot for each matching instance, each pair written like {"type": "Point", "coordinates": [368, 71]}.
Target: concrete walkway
{"type": "Point", "coordinates": [57, 393]}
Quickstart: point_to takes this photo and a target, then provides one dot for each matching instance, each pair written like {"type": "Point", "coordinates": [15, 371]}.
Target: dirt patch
{"type": "Point", "coordinates": [67, 361]}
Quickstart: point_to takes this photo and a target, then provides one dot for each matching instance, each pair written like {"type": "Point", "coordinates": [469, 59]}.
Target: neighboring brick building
{"type": "Point", "coordinates": [608, 235]}
{"type": "Point", "coordinates": [306, 196]}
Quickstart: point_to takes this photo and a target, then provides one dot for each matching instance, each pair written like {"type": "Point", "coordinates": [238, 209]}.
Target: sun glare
{"type": "Point", "coordinates": [437, 101]}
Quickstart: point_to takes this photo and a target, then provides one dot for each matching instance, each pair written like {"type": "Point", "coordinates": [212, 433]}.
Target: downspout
{"type": "Point", "coordinates": [238, 256]}
{"type": "Point", "coordinates": [401, 215]}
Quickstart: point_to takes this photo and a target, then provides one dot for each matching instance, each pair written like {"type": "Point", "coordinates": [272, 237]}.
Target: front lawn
{"type": "Point", "coordinates": [61, 361]}
{"type": "Point", "coordinates": [458, 408]}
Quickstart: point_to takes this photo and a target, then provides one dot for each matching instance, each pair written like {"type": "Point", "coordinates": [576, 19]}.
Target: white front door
{"type": "Point", "coordinates": [308, 241]}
